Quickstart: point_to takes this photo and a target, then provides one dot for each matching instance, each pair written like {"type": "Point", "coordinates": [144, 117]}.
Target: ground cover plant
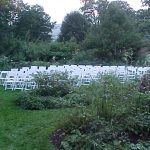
{"type": "Point", "coordinates": [118, 118]}
{"type": "Point", "coordinates": [55, 90]}
{"type": "Point", "coordinates": [26, 130]}
{"type": "Point", "coordinates": [114, 118]}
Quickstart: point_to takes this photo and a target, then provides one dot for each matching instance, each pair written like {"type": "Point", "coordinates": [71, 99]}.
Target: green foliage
{"type": "Point", "coordinates": [118, 118]}
{"type": "Point", "coordinates": [27, 101]}
{"type": "Point", "coordinates": [103, 34]}
{"type": "Point", "coordinates": [89, 55]}
{"type": "Point", "coordinates": [117, 23]}
{"type": "Point", "coordinates": [139, 124]}
{"type": "Point", "coordinates": [4, 62]}
{"type": "Point", "coordinates": [100, 134]}
{"type": "Point", "coordinates": [33, 23]}
{"type": "Point", "coordinates": [145, 83]}
{"type": "Point", "coordinates": [74, 25]}
{"type": "Point", "coordinates": [55, 90]}
{"type": "Point", "coordinates": [139, 146]}
{"type": "Point", "coordinates": [146, 2]}
{"type": "Point", "coordinates": [55, 83]}
{"type": "Point", "coordinates": [112, 30]}
{"type": "Point", "coordinates": [31, 129]}
{"type": "Point", "coordinates": [44, 51]}
{"type": "Point", "coordinates": [30, 101]}
{"type": "Point", "coordinates": [79, 96]}
{"type": "Point", "coordinates": [144, 27]}
{"type": "Point", "coordinates": [112, 98]}
{"type": "Point", "coordinates": [8, 12]}
{"type": "Point", "coordinates": [14, 48]}
{"type": "Point", "coordinates": [91, 41]}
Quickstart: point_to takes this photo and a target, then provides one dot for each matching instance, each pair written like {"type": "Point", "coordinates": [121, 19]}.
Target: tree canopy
{"type": "Point", "coordinates": [101, 31]}
{"type": "Point", "coordinates": [113, 27]}
{"type": "Point", "coordinates": [74, 25]}
{"type": "Point", "coordinates": [146, 2]}
{"type": "Point", "coordinates": [34, 23]}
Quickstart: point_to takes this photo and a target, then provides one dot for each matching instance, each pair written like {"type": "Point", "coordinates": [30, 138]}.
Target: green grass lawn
{"type": "Point", "coordinates": [26, 130]}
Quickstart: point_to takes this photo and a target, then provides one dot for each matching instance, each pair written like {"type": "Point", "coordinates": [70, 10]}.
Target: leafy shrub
{"type": "Point", "coordinates": [83, 131]}
{"type": "Point", "coordinates": [145, 83]}
{"type": "Point", "coordinates": [117, 119]}
{"type": "Point", "coordinates": [139, 146]}
{"type": "Point", "coordinates": [55, 90]}
{"type": "Point", "coordinates": [109, 96]}
{"type": "Point", "coordinates": [77, 99]}
{"type": "Point", "coordinates": [139, 125]}
{"type": "Point", "coordinates": [27, 101]}
{"type": "Point", "coordinates": [90, 57]}
{"type": "Point", "coordinates": [4, 63]}
{"type": "Point", "coordinates": [44, 51]}
{"type": "Point", "coordinates": [30, 100]}
{"type": "Point", "coordinates": [142, 102]}
{"type": "Point", "coordinates": [55, 83]}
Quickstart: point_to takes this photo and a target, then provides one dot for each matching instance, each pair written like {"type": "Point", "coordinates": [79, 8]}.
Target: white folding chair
{"type": "Point", "coordinates": [3, 76]}
{"type": "Point", "coordinates": [131, 73]}
{"type": "Point", "coordinates": [10, 82]}
{"type": "Point", "coordinates": [121, 73]}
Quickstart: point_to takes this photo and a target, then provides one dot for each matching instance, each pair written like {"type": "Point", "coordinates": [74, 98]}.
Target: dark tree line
{"type": "Point", "coordinates": [100, 32]}
{"type": "Point", "coordinates": [113, 30]}
{"type": "Point", "coordinates": [24, 20]}
{"type": "Point", "coordinates": [21, 25]}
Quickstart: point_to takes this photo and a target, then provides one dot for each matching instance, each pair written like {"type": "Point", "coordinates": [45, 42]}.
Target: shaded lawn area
{"type": "Point", "coordinates": [26, 130]}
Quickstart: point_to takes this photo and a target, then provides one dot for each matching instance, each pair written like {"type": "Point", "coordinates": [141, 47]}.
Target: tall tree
{"type": "Point", "coordinates": [116, 31]}
{"type": "Point", "coordinates": [8, 15]}
{"type": "Point", "coordinates": [74, 25]}
{"type": "Point", "coordinates": [143, 21]}
{"type": "Point", "coordinates": [146, 2]}
{"type": "Point", "coordinates": [89, 10]}
{"type": "Point", "coordinates": [123, 5]}
{"type": "Point", "coordinates": [143, 14]}
{"type": "Point", "coordinates": [34, 23]}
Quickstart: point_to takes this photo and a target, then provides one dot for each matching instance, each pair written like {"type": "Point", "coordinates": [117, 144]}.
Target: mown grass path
{"type": "Point", "coordinates": [26, 130]}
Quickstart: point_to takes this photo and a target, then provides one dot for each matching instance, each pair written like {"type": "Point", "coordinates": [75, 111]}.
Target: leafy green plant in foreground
{"type": "Point", "coordinates": [55, 90]}
{"type": "Point", "coordinates": [55, 83]}
{"type": "Point", "coordinates": [145, 83]}
{"type": "Point", "coordinates": [118, 118]}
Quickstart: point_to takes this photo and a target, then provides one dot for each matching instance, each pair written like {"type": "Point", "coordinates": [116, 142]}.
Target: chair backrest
{"type": "Point", "coordinates": [12, 74]}
{"type": "Point", "coordinates": [4, 74]}
{"type": "Point", "coordinates": [42, 68]}
{"type": "Point", "coordinates": [14, 69]}
{"type": "Point", "coordinates": [24, 69]}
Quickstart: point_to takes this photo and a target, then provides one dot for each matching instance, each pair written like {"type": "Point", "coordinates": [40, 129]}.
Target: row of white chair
{"type": "Point", "coordinates": [82, 70]}
{"type": "Point", "coordinates": [22, 84]}
{"type": "Point", "coordinates": [23, 79]}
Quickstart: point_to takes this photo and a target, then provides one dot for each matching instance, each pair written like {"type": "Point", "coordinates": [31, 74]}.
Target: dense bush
{"type": "Point", "coordinates": [45, 51]}
{"type": "Point", "coordinates": [89, 55]}
{"type": "Point", "coordinates": [145, 83]}
{"type": "Point", "coordinates": [4, 62]}
{"type": "Point", "coordinates": [98, 134]}
{"type": "Point", "coordinates": [27, 100]}
{"type": "Point", "coordinates": [30, 100]}
{"type": "Point", "coordinates": [109, 96]}
{"type": "Point", "coordinates": [55, 83]}
{"type": "Point", "coordinates": [55, 90]}
{"type": "Point", "coordinates": [119, 118]}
